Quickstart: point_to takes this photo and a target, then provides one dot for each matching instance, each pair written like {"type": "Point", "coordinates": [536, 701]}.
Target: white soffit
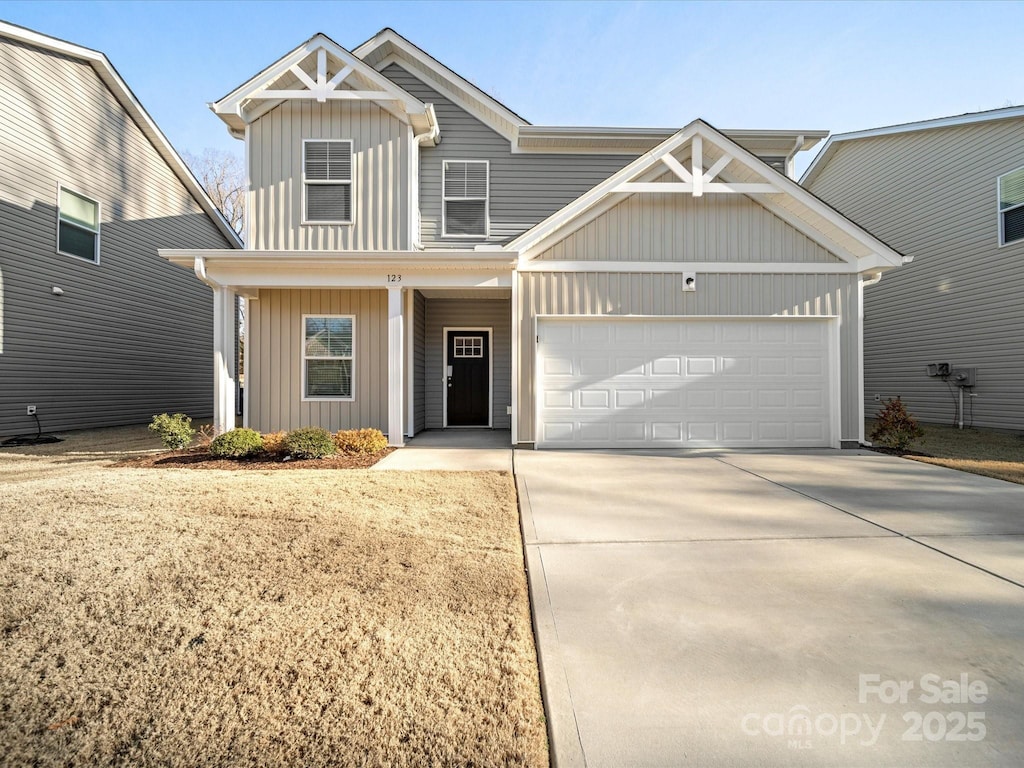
{"type": "Point", "coordinates": [119, 88]}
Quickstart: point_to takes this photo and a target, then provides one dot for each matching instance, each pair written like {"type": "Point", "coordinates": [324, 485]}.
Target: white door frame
{"type": "Point", "coordinates": [444, 373]}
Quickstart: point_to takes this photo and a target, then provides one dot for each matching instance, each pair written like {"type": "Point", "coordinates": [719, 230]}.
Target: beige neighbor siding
{"type": "Point", "coordinates": [132, 335]}
{"type": "Point", "coordinates": [603, 293]}
{"type": "Point", "coordinates": [674, 227]}
{"type": "Point", "coordinates": [469, 313]}
{"type": "Point", "coordinates": [275, 391]}
{"type": "Point", "coordinates": [380, 192]}
{"type": "Point", "coordinates": [524, 188]}
{"type": "Point", "coordinates": [932, 195]}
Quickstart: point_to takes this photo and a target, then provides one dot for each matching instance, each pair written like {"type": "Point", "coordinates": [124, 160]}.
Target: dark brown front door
{"type": "Point", "coordinates": [468, 378]}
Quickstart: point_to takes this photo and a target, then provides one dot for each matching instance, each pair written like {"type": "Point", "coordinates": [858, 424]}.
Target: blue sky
{"type": "Point", "coordinates": [833, 65]}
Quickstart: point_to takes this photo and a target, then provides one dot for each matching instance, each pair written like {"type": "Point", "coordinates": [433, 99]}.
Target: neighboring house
{"type": "Point", "coordinates": [421, 257]}
{"type": "Point", "coordinates": [95, 328]}
{"type": "Point", "coordinates": [950, 194]}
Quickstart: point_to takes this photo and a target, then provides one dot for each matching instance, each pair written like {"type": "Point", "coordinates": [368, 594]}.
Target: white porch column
{"type": "Point", "coordinates": [396, 379]}
{"type": "Point", "coordinates": [223, 357]}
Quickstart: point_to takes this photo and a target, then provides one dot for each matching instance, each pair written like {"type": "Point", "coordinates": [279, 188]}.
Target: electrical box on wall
{"type": "Point", "coordinates": [963, 377]}
{"type": "Point", "coordinates": [689, 281]}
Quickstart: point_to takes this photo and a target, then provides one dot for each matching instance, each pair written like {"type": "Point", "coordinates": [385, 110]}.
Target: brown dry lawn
{"type": "Point", "coordinates": [989, 452]}
{"type": "Point", "coordinates": [306, 618]}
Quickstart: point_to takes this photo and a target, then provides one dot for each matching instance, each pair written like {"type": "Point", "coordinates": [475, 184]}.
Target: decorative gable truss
{"type": "Point", "coordinates": [321, 70]}
{"type": "Point", "coordinates": [700, 161]}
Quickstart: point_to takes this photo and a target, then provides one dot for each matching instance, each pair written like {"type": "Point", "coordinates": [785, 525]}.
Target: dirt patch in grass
{"type": "Point", "coordinates": [265, 618]}
{"type": "Point", "coordinates": [199, 458]}
{"type": "Point", "coordinates": [990, 452]}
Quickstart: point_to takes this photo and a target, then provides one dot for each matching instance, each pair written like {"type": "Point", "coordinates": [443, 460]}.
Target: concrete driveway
{"type": "Point", "coordinates": [818, 608]}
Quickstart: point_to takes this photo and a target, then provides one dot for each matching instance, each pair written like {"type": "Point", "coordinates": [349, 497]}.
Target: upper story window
{"type": "Point", "coordinates": [1011, 207]}
{"type": "Point", "coordinates": [78, 225]}
{"type": "Point", "coordinates": [327, 181]}
{"type": "Point", "coordinates": [328, 356]}
{"type": "Point", "coordinates": [465, 198]}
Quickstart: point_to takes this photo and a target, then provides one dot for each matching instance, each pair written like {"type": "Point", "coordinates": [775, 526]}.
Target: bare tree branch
{"type": "Point", "coordinates": [222, 175]}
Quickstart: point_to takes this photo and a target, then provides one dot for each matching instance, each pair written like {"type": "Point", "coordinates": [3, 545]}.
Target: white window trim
{"type": "Point", "coordinates": [486, 199]}
{"type": "Point", "coordinates": [1000, 211]}
{"type": "Point", "coordinates": [76, 225]}
{"type": "Point", "coordinates": [302, 359]}
{"type": "Point", "coordinates": [351, 183]}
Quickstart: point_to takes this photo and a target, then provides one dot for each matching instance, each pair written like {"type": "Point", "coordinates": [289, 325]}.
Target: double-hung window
{"type": "Point", "coordinates": [78, 225]}
{"type": "Point", "coordinates": [328, 357]}
{"type": "Point", "coordinates": [327, 181]}
{"type": "Point", "coordinates": [1011, 207]}
{"type": "Point", "coordinates": [465, 198]}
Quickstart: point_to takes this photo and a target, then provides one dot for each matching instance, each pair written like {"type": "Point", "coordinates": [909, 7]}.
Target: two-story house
{"type": "Point", "coordinates": [419, 256]}
{"type": "Point", "coordinates": [95, 328]}
{"type": "Point", "coordinates": [949, 193]}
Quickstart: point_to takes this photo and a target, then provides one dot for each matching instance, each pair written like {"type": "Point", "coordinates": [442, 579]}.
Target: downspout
{"type": "Point", "coordinates": [790, 169]}
{"type": "Point", "coordinates": [431, 137]}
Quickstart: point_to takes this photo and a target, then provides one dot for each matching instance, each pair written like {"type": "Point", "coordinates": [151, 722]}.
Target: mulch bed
{"type": "Point", "coordinates": [199, 458]}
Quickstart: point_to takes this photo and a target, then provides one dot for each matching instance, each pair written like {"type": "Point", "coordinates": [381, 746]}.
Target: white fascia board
{"type": "Point", "coordinates": [427, 260]}
{"type": "Point", "coordinates": [924, 125]}
{"type": "Point", "coordinates": [544, 139]}
{"type": "Point", "coordinates": [445, 81]}
{"type": "Point", "coordinates": [703, 267]}
{"type": "Point", "coordinates": [110, 77]}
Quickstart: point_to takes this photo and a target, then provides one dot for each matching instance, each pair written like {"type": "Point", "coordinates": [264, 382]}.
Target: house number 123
{"type": "Point", "coordinates": [394, 278]}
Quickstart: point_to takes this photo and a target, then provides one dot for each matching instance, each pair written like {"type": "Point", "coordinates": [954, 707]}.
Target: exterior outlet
{"type": "Point", "coordinates": [689, 281]}
{"type": "Point", "coordinates": [30, 410]}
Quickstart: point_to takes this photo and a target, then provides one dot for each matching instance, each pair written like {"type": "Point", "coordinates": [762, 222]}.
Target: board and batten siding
{"type": "Point", "coordinates": [419, 361]}
{"type": "Point", "coordinates": [524, 188]}
{"type": "Point", "coordinates": [132, 335]}
{"type": "Point", "coordinates": [680, 227]}
{"type": "Point", "coordinates": [380, 183]}
{"type": "Point", "coordinates": [661, 294]}
{"type": "Point", "coordinates": [931, 194]}
{"type": "Point", "coordinates": [276, 339]}
{"type": "Point", "coordinates": [469, 313]}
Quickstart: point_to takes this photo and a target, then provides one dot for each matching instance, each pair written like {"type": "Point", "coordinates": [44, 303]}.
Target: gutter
{"type": "Point", "coordinates": [430, 138]}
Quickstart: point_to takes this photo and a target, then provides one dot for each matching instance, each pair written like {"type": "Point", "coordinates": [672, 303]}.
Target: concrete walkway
{"type": "Point", "coordinates": [453, 449]}
{"type": "Point", "coordinates": [767, 608]}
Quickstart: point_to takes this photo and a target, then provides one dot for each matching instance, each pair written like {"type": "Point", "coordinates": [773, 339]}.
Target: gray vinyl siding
{"type": "Point", "coordinates": [469, 313]}
{"type": "Point", "coordinates": [275, 391]}
{"type": "Point", "coordinates": [380, 185]}
{"type": "Point", "coordinates": [674, 227]}
{"type": "Point", "coordinates": [132, 335]}
{"type": "Point", "coordinates": [524, 188]}
{"type": "Point", "coordinates": [419, 362]}
{"type": "Point", "coordinates": [932, 195]}
{"type": "Point", "coordinates": [603, 293]}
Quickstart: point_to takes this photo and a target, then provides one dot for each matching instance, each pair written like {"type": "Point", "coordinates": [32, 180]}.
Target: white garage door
{"type": "Point", "coordinates": [693, 382]}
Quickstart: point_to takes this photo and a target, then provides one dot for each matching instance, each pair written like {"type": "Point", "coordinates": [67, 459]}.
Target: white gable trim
{"type": "Point", "coordinates": [770, 193]}
{"type": "Point", "coordinates": [110, 77]}
{"type": "Point", "coordinates": [387, 94]}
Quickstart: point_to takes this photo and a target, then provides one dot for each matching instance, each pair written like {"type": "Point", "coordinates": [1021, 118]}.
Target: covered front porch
{"type": "Point", "coordinates": [399, 341]}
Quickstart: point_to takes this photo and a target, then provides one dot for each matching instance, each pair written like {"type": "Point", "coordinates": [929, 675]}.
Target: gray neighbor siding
{"type": "Point", "coordinates": [524, 188]}
{"type": "Point", "coordinates": [931, 194]}
{"type": "Point", "coordinates": [132, 335]}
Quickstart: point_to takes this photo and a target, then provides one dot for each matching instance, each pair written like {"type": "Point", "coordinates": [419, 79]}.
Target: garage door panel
{"type": "Point", "coordinates": [685, 382]}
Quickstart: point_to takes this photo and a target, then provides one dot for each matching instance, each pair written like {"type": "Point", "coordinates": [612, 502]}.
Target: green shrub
{"type": "Point", "coordinates": [237, 444]}
{"type": "Point", "coordinates": [360, 441]}
{"type": "Point", "coordinates": [310, 443]}
{"type": "Point", "coordinates": [894, 427]}
{"type": "Point", "coordinates": [175, 431]}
